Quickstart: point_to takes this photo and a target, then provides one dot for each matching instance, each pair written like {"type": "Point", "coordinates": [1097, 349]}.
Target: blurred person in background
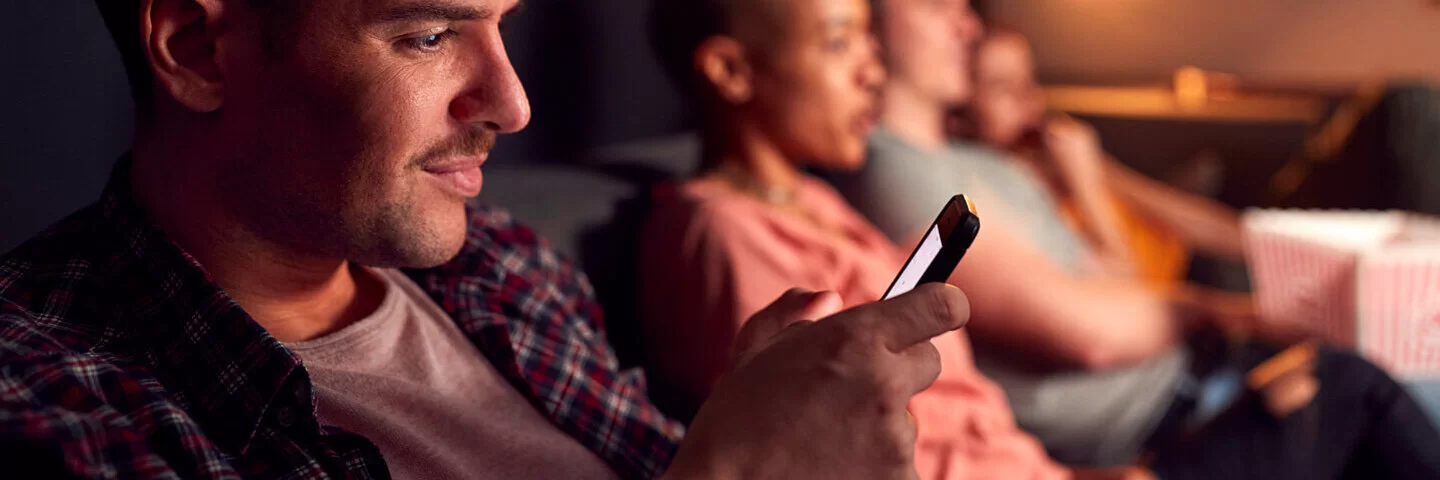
{"type": "Point", "coordinates": [1134, 226]}
{"type": "Point", "coordinates": [1096, 364]}
{"type": "Point", "coordinates": [233, 305]}
{"type": "Point", "coordinates": [783, 86]}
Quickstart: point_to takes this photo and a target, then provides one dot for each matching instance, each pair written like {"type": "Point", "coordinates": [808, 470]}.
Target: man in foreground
{"type": "Point", "coordinates": [289, 156]}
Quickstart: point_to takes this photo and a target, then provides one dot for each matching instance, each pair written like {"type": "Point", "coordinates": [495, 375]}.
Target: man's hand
{"type": "Point", "coordinates": [796, 307]}
{"type": "Point", "coordinates": [823, 399]}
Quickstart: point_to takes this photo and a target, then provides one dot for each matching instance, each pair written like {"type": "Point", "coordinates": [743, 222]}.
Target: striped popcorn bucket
{"type": "Point", "coordinates": [1367, 280]}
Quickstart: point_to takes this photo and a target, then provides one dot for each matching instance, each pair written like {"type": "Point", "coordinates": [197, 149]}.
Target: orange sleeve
{"type": "Point", "coordinates": [1161, 256]}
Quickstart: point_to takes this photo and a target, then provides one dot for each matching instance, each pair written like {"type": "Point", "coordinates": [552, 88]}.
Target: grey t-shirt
{"type": "Point", "coordinates": [1083, 418]}
{"type": "Point", "coordinates": [408, 379]}
{"type": "Point", "coordinates": [901, 188]}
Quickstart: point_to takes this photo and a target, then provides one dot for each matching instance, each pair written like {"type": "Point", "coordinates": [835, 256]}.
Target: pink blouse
{"type": "Point", "coordinates": [712, 256]}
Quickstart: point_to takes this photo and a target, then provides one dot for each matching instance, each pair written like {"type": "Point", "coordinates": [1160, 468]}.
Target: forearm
{"type": "Point", "coordinates": [1205, 224]}
{"type": "Point", "coordinates": [1100, 326]}
{"type": "Point", "coordinates": [1073, 154]}
{"type": "Point", "coordinates": [1098, 218]}
{"type": "Point", "coordinates": [1067, 323]}
{"type": "Point", "coordinates": [1023, 301]}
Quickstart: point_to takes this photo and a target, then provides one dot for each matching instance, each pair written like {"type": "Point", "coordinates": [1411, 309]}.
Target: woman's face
{"type": "Point", "coordinates": [1008, 101]}
{"type": "Point", "coordinates": [816, 89]}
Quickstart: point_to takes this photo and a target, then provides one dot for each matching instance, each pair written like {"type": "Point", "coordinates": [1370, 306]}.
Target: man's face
{"type": "Point", "coordinates": [360, 134]}
{"type": "Point", "coordinates": [816, 87]}
{"type": "Point", "coordinates": [928, 47]}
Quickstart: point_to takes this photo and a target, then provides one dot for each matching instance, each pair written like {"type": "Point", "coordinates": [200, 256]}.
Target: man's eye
{"type": "Point", "coordinates": [428, 43]}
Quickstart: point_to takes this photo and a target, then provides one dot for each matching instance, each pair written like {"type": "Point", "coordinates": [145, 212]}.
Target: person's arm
{"type": "Point", "coordinates": [55, 424]}
{"type": "Point", "coordinates": [1205, 224]}
{"type": "Point", "coordinates": [1029, 303]}
{"type": "Point", "coordinates": [1073, 150]}
{"type": "Point", "coordinates": [1025, 303]}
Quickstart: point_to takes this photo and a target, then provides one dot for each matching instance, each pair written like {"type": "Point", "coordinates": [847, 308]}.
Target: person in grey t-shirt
{"type": "Point", "coordinates": [1064, 321]}
{"type": "Point", "coordinates": [1082, 417]}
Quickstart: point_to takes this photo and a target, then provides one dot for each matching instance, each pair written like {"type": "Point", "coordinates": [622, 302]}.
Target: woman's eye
{"type": "Point", "coordinates": [428, 43]}
{"type": "Point", "coordinates": [837, 44]}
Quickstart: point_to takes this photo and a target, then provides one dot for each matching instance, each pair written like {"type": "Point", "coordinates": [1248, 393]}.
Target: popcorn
{"type": "Point", "coordinates": [1366, 280]}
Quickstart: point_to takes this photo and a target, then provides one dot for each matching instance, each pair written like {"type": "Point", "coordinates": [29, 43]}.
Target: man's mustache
{"type": "Point", "coordinates": [470, 143]}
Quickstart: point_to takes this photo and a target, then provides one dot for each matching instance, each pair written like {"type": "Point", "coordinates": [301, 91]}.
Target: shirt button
{"type": "Point", "coordinates": [285, 417]}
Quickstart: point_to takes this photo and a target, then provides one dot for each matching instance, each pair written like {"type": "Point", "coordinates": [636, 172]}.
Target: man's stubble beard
{"type": "Point", "coordinates": [370, 221]}
{"type": "Point", "coordinates": [397, 235]}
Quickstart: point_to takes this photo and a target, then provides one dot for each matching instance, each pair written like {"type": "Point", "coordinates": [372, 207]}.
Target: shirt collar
{"type": "Point", "coordinates": [221, 366]}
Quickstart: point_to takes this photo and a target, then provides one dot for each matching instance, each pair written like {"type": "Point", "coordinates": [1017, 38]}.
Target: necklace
{"type": "Point", "coordinates": [778, 197]}
{"type": "Point", "coordinates": [771, 194]}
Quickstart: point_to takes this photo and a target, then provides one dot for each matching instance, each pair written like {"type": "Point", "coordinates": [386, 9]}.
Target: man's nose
{"type": "Point", "coordinates": [494, 96]}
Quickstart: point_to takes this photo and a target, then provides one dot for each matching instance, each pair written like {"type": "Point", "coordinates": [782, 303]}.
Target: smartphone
{"type": "Point", "coordinates": [938, 253]}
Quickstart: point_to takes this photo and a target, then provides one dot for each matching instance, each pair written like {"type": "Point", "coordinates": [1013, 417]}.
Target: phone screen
{"type": "Point", "coordinates": [915, 268]}
{"type": "Point", "coordinates": [940, 250]}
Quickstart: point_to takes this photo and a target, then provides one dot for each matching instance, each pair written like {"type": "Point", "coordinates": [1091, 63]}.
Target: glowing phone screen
{"type": "Point", "coordinates": [915, 268]}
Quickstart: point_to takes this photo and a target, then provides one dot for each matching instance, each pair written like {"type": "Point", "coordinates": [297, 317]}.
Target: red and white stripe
{"type": "Point", "coordinates": [1399, 310]}
{"type": "Point", "coordinates": [1367, 280]}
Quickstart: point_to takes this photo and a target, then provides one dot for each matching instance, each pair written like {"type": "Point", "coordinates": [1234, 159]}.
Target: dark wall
{"type": "Point", "coordinates": [65, 112]}
{"type": "Point", "coordinates": [591, 77]}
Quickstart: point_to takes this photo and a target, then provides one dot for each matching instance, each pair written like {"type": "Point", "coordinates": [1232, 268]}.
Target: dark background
{"type": "Point", "coordinates": [65, 110]}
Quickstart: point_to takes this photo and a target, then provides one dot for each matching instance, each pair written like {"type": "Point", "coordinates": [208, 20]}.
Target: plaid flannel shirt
{"type": "Point", "coordinates": [121, 358]}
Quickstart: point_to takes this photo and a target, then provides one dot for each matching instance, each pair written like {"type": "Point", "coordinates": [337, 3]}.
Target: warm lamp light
{"type": "Point", "coordinates": [1191, 87]}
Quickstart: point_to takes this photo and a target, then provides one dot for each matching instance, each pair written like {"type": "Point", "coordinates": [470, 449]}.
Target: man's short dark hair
{"type": "Point", "coordinates": [122, 18]}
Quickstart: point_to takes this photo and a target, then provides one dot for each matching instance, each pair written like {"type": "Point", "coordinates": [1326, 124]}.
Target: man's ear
{"type": "Point", "coordinates": [724, 67]}
{"type": "Point", "coordinates": [181, 49]}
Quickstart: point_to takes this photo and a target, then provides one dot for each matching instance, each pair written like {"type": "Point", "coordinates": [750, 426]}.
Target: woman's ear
{"type": "Point", "coordinates": [724, 67]}
{"type": "Point", "coordinates": [181, 50]}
